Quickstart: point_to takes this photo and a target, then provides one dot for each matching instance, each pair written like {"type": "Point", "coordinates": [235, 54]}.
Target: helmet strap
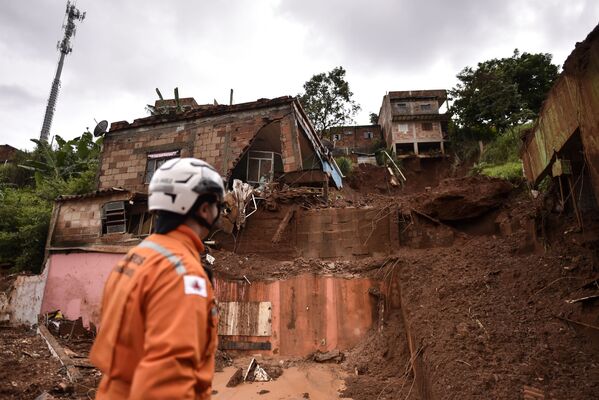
{"type": "Point", "coordinates": [202, 221]}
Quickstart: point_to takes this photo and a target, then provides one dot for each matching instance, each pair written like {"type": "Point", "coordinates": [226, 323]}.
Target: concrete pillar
{"type": "Point", "coordinates": [416, 148]}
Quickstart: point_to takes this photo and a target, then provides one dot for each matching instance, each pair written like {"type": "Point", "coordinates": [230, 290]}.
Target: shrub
{"type": "Point", "coordinates": [345, 165]}
{"type": "Point", "coordinates": [511, 171]}
{"type": "Point", "coordinates": [24, 220]}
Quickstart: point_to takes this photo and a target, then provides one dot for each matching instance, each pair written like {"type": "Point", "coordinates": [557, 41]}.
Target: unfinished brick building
{"type": "Point", "coordinates": [255, 142]}
{"type": "Point", "coordinates": [411, 122]}
{"type": "Point", "coordinates": [355, 139]}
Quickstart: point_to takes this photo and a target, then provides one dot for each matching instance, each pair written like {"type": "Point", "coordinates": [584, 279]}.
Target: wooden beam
{"type": "Point", "coordinates": [58, 351]}
{"type": "Point", "coordinates": [279, 233]}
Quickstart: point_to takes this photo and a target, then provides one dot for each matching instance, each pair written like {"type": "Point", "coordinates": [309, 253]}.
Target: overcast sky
{"type": "Point", "coordinates": [261, 48]}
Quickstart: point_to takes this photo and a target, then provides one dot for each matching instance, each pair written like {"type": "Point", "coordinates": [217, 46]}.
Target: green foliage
{"type": "Point", "coordinates": [511, 171]}
{"type": "Point", "coordinates": [24, 219]}
{"type": "Point", "coordinates": [328, 101]}
{"type": "Point", "coordinates": [505, 148]}
{"type": "Point", "coordinates": [501, 93]}
{"type": "Point", "coordinates": [27, 192]}
{"type": "Point", "coordinates": [345, 165]}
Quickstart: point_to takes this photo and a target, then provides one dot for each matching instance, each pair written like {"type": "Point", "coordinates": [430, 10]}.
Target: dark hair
{"type": "Point", "coordinates": [167, 221]}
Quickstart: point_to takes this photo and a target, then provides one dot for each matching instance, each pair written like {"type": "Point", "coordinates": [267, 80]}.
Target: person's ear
{"type": "Point", "coordinates": [204, 210]}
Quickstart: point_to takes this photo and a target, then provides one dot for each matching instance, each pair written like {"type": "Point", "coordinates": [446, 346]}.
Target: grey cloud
{"type": "Point", "coordinates": [408, 35]}
{"type": "Point", "coordinates": [16, 96]}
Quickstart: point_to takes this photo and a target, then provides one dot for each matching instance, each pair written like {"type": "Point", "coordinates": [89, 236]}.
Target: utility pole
{"type": "Point", "coordinates": [65, 47]}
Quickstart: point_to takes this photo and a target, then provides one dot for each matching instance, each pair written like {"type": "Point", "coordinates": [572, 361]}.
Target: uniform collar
{"type": "Point", "coordinates": [189, 238]}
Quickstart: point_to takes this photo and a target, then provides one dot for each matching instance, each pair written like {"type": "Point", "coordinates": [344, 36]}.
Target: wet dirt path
{"type": "Point", "coordinates": [320, 381]}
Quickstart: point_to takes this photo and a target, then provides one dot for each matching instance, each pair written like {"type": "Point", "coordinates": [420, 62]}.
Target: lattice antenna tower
{"type": "Point", "coordinates": [65, 47]}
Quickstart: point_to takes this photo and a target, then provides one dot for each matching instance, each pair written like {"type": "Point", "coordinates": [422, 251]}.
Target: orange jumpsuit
{"type": "Point", "coordinates": [158, 333]}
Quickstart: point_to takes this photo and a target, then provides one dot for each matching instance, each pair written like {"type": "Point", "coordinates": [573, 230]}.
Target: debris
{"type": "Point", "coordinates": [577, 322]}
{"type": "Point", "coordinates": [532, 393]}
{"type": "Point", "coordinates": [236, 378]}
{"type": "Point", "coordinates": [64, 387]}
{"type": "Point", "coordinates": [306, 395]}
{"type": "Point", "coordinates": [58, 351]}
{"type": "Point", "coordinates": [284, 222]}
{"type": "Point", "coordinates": [247, 280]}
{"type": "Point", "coordinates": [584, 299]}
{"type": "Point", "coordinates": [255, 373]}
{"type": "Point", "coordinates": [45, 396]}
{"type": "Point", "coordinates": [263, 391]}
{"type": "Point", "coordinates": [329, 356]}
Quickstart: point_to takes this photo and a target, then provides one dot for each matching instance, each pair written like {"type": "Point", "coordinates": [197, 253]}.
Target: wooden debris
{"type": "Point", "coordinates": [583, 299]}
{"type": "Point", "coordinates": [577, 322]}
{"type": "Point", "coordinates": [532, 393]}
{"type": "Point", "coordinates": [57, 351]}
{"type": "Point", "coordinates": [283, 224]}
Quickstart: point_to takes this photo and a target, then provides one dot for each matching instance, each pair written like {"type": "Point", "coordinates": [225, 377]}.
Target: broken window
{"type": "Point", "coordinates": [368, 135]}
{"type": "Point", "coordinates": [260, 167]}
{"type": "Point", "coordinates": [427, 126]}
{"type": "Point", "coordinates": [155, 160]}
{"type": "Point", "coordinates": [425, 107]}
{"type": "Point", "coordinates": [127, 217]}
{"type": "Point", "coordinates": [336, 137]}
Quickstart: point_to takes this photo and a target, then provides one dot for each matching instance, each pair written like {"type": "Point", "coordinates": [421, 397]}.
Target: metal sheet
{"type": "Point", "coordinates": [245, 318]}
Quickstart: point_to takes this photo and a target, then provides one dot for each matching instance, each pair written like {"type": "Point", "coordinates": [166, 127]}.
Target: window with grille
{"type": "Point", "coordinates": [403, 127]}
{"type": "Point", "coordinates": [155, 160]}
{"type": "Point", "coordinates": [427, 126]}
{"type": "Point", "coordinates": [368, 135]}
{"type": "Point", "coordinates": [425, 107]}
{"type": "Point", "coordinates": [127, 217]}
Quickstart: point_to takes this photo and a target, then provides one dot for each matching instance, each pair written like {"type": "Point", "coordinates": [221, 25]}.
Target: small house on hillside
{"type": "Point", "coordinates": [355, 138]}
{"type": "Point", "coordinates": [412, 124]}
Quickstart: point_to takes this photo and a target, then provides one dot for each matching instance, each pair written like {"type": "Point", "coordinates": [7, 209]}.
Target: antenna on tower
{"type": "Point", "coordinates": [65, 47]}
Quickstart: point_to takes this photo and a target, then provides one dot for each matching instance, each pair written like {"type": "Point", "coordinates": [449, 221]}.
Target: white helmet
{"type": "Point", "coordinates": [177, 184]}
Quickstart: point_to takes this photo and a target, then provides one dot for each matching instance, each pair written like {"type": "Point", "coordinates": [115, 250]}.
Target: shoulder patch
{"type": "Point", "coordinates": [195, 285]}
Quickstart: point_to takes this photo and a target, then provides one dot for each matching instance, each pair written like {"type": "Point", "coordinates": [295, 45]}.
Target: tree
{"type": "Point", "coordinates": [68, 168]}
{"type": "Point", "coordinates": [328, 101]}
{"type": "Point", "coordinates": [501, 93]}
{"type": "Point", "coordinates": [374, 118]}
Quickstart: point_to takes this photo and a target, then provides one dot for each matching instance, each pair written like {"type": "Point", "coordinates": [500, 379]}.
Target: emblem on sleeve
{"type": "Point", "coordinates": [195, 285]}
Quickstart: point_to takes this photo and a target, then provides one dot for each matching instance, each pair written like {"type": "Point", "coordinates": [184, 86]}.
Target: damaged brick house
{"type": "Point", "coordinates": [355, 139]}
{"type": "Point", "coordinates": [255, 142]}
{"type": "Point", "coordinates": [412, 124]}
{"type": "Point", "coordinates": [564, 142]}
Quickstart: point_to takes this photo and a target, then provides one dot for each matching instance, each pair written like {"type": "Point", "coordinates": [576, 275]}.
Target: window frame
{"type": "Point", "coordinates": [425, 125]}
{"type": "Point", "coordinates": [158, 157]}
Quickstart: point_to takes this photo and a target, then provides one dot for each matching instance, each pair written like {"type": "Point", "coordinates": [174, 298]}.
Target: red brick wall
{"type": "Point", "coordinates": [220, 140]}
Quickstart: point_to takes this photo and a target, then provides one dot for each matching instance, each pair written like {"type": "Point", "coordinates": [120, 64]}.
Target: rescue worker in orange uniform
{"type": "Point", "coordinates": [158, 333]}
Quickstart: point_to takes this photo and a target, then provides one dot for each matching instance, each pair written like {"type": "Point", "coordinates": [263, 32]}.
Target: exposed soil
{"type": "Point", "coordinates": [380, 366]}
{"type": "Point", "coordinates": [487, 314]}
{"type": "Point", "coordinates": [26, 366]}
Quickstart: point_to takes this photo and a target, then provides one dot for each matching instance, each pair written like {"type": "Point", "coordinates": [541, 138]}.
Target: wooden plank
{"type": "Point", "coordinates": [245, 318]}
{"type": "Point", "coordinates": [284, 222]}
{"type": "Point", "coordinates": [58, 351]}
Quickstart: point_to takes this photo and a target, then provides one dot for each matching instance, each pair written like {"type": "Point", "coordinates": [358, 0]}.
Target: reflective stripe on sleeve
{"type": "Point", "coordinates": [176, 261]}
